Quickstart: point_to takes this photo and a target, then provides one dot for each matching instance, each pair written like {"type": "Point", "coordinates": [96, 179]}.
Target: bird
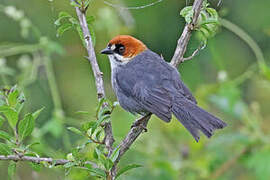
{"type": "Point", "coordinates": [144, 83]}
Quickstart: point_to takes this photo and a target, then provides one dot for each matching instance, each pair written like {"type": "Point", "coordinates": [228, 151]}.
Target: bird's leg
{"type": "Point", "coordinates": [140, 122]}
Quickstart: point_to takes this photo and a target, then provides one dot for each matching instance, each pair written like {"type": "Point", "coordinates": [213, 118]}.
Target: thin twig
{"type": "Point", "coordinates": [186, 34]}
{"type": "Point", "coordinates": [135, 7]}
{"type": "Point", "coordinates": [97, 73]}
{"type": "Point", "coordinates": [56, 162]}
{"type": "Point", "coordinates": [194, 53]}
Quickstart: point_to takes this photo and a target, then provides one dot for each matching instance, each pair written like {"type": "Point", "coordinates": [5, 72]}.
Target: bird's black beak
{"type": "Point", "coordinates": [106, 51]}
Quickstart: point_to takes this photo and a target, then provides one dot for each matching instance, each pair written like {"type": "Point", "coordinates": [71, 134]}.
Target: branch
{"type": "Point", "coordinates": [184, 39]}
{"type": "Point", "coordinates": [56, 162]}
{"type": "Point", "coordinates": [108, 140]}
{"type": "Point", "coordinates": [194, 53]}
{"type": "Point", "coordinates": [135, 7]}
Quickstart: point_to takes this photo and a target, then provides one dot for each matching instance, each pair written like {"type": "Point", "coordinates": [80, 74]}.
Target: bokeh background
{"type": "Point", "coordinates": [229, 78]}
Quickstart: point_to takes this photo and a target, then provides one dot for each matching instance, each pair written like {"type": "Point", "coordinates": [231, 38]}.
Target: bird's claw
{"type": "Point", "coordinates": [139, 123]}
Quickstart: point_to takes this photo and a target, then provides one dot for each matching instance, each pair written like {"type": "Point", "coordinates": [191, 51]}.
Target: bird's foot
{"type": "Point", "coordinates": [139, 123]}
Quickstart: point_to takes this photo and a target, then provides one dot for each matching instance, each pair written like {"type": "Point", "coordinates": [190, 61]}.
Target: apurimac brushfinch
{"type": "Point", "coordinates": [144, 83]}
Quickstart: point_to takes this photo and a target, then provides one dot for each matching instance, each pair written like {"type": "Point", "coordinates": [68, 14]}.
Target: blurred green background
{"type": "Point", "coordinates": [226, 78]}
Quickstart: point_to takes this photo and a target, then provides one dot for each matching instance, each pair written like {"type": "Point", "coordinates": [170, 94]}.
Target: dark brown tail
{"type": "Point", "coordinates": [195, 118]}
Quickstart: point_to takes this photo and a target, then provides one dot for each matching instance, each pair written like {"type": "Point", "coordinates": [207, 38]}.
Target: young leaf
{"type": "Point", "coordinates": [74, 21]}
{"type": "Point", "coordinates": [26, 126]}
{"type": "Point", "coordinates": [11, 115]}
{"type": "Point", "coordinates": [11, 169]}
{"type": "Point", "coordinates": [82, 113]}
{"type": "Point", "coordinates": [12, 97]}
{"type": "Point", "coordinates": [63, 28]}
{"type": "Point", "coordinates": [115, 154]}
{"type": "Point", "coordinates": [5, 135]}
{"type": "Point", "coordinates": [96, 153]}
{"type": "Point", "coordinates": [88, 125]}
{"type": "Point", "coordinates": [36, 113]}
{"type": "Point", "coordinates": [187, 13]}
{"type": "Point", "coordinates": [92, 33]}
{"type": "Point", "coordinates": [98, 134]}
{"type": "Point", "coordinates": [98, 122]}
{"type": "Point", "coordinates": [20, 102]}
{"type": "Point", "coordinates": [79, 30]}
{"type": "Point", "coordinates": [127, 168]}
{"type": "Point", "coordinates": [61, 16]}
{"type": "Point", "coordinates": [75, 130]}
{"type": "Point", "coordinates": [99, 106]}
{"type": "Point", "coordinates": [4, 149]}
{"type": "Point", "coordinates": [108, 164]}
{"type": "Point", "coordinates": [69, 164]}
{"type": "Point", "coordinates": [32, 144]}
{"type": "Point", "coordinates": [97, 172]}
{"type": "Point", "coordinates": [75, 4]}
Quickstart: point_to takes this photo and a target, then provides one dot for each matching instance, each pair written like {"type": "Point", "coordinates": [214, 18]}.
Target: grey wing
{"type": "Point", "coordinates": [182, 87]}
{"type": "Point", "coordinates": [155, 100]}
{"type": "Point", "coordinates": [146, 89]}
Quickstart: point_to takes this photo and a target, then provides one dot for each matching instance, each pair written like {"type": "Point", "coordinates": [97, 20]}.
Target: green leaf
{"type": "Point", "coordinates": [97, 172]}
{"type": "Point", "coordinates": [98, 122]}
{"type": "Point", "coordinates": [61, 16]}
{"type": "Point", "coordinates": [20, 102]}
{"type": "Point", "coordinates": [105, 111]}
{"type": "Point", "coordinates": [63, 28]}
{"type": "Point", "coordinates": [96, 153]}
{"type": "Point", "coordinates": [5, 135]}
{"type": "Point", "coordinates": [92, 33]}
{"type": "Point", "coordinates": [11, 114]}
{"type": "Point", "coordinates": [98, 134]}
{"type": "Point", "coordinates": [100, 103]}
{"type": "Point", "coordinates": [74, 4]}
{"type": "Point", "coordinates": [115, 154]}
{"type": "Point", "coordinates": [187, 13]}
{"type": "Point", "coordinates": [69, 164]}
{"type": "Point", "coordinates": [127, 168]}
{"type": "Point", "coordinates": [86, 126]}
{"type": "Point", "coordinates": [108, 164]}
{"type": "Point", "coordinates": [74, 21]}
{"type": "Point", "coordinates": [12, 97]}
{"type": "Point", "coordinates": [11, 169]}
{"type": "Point", "coordinates": [82, 113]}
{"type": "Point", "coordinates": [4, 149]}
{"type": "Point", "coordinates": [32, 144]}
{"type": "Point", "coordinates": [75, 130]}
{"type": "Point", "coordinates": [26, 126]}
{"type": "Point", "coordinates": [37, 112]}
{"type": "Point", "coordinates": [79, 30]}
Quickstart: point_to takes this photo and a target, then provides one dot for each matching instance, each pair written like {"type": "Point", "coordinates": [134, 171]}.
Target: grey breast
{"type": "Point", "coordinates": [125, 100]}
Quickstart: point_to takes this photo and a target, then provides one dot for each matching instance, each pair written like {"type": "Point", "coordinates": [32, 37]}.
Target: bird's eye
{"type": "Point", "coordinates": [121, 50]}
